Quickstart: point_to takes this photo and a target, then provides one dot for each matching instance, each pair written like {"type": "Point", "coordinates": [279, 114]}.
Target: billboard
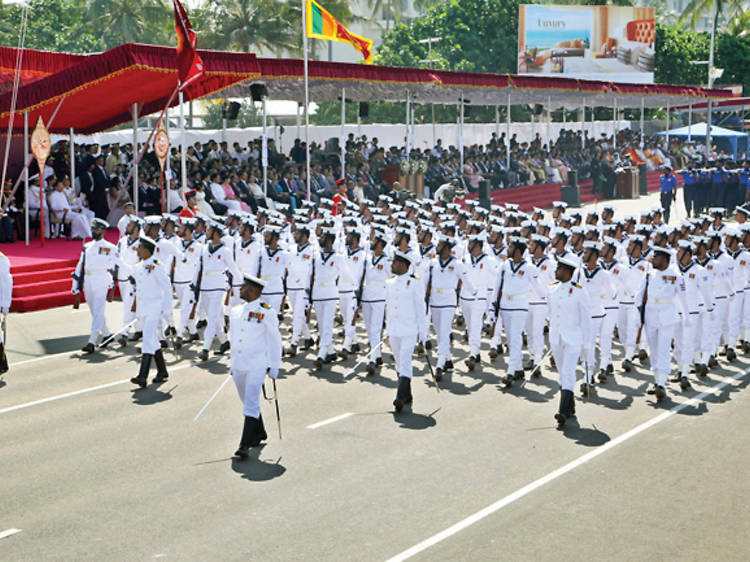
{"type": "Point", "coordinates": [609, 43]}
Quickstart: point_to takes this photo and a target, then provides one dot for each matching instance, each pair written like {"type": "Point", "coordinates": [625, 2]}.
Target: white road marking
{"type": "Point", "coordinates": [35, 359]}
{"type": "Point", "coordinates": [9, 532]}
{"type": "Point", "coordinates": [90, 389]}
{"type": "Point", "coordinates": [330, 420]}
{"type": "Point", "coordinates": [520, 493]}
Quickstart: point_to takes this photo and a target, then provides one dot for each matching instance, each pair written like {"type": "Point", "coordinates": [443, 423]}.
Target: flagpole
{"type": "Point", "coordinates": [183, 147]}
{"type": "Point", "coordinates": [307, 97]}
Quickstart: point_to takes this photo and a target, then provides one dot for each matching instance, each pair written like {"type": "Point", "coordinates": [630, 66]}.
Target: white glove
{"type": "Point", "coordinates": [273, 373]}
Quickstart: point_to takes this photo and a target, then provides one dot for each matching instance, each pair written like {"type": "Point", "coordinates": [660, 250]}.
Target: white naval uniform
{"type": "Point", "coordinates": [256, 348]}
{"type": "Point", "coordinates": [246, 254]}
{"type": "Point", "coordinates": [722, 267]}
{"type": "Point", "coordinates": [167, 253]}
{"type": "Point", "coordinates": [478, 275]}
{"type": "Point", "coordinates": [153, 299]}
{"type": "Point", "coordinates": [569, 328]}
{"type": "Point", "coordinates": [601, 291]}
{"type": "Point", "coordinates": [127, 251]}
{"type": "Point", "coordinates": [665, 299]}
{"type": "Point", "coordinates": [298, 287]}
{"type": "Point", "coordinates": [632, 272]}
{"type": "Point", "coordinates": [611, 312]}
{"type": "Point", "coordinates": [739, 275]}
{"type": "Point", "coordinates": [272, 269]}
{"type": "Point", "coordinates": [215, 263]}
{"type": "Point", "coordinates": [80, 223]}
{"type": "Point", "coordinates": [697, 294]}
{"type": "Point", "coordinates": [184, 273]}
{"type": "Point", "coordinates": [355, 260]}
{"type": "Point", "coordinates": [538, 308]}
{"type": "Point", "coordinates": [516, 283]}
{"type": "Point", "coordinates": [427, 254]}
{"type": "Point", "coordinates": [328, 270]}
{"type": "Point", "coordinates": [100, 259]}
{"type": "Point", "coordinates": [404, 308]}
{"type": "Point", "coordinates": [443, 278]}
{"type": "Point", "coordinates": [376, 271]}
{"type": "Point", "coordinates": [6, 288]}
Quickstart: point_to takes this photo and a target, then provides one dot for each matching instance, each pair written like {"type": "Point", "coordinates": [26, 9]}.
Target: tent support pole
{"type": "Point", "coordinates": [549, 119]}
{"type": "Point", "coordinates": [690, 121]}
{"type": "Point", "coordinates": [461, 135]}
{"type": "Point", "coordinates": [26, 172]}
{"type": "Point", "coordinates": [73, 160]}
{"type": "Point", "coordinates": [583, 122]}
{"type": "Point", "coordinates": [342, 136]}
{"type": "Point", "coordinates": [183, 147]}
{"type": "Point", "coordinates": [264, 149]}
{"type": "Point", "coordinates": [643, 105]}
{"type": "Point", "coordinates": [507, 137]}
{"type": "Point", "coordinates": [135, 159]}
{"type": "Point", "coordinates": [668, 108]}
{"type": "Point", "coordinates": [307, 97]}
{"type": "Point", "coordinates": [614, 125]}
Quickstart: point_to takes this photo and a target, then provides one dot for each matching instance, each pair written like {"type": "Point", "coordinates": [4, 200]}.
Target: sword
{"type": "Point", "coordinates": [432, 373]}
{"type": "Point", "coordinates": [365, 358]}
{"type": "Point", "coordinates": [111, 336]}
{"type": "Point", "coordinates": [276, 402]}
{"type": "Point", "coordinates": [539, 366]}
{"type": "Point", "coordinates": [215, 394]}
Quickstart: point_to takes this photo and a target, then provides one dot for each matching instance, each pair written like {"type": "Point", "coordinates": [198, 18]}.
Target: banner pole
{"type": "Point", "coordinates": [307, 97]}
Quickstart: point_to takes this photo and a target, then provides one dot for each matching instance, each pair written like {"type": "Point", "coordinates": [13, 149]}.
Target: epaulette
{"type": "Point", "coordinates": [577, 286]}
{"type": "Point", "coordinates": [266, 306]}
{"type": "Point", "coordinates": [554, 283]}
{"type": "Point", "coordinates": [414, 276]}
{"type": "Point", "coordinates": [157, 262]}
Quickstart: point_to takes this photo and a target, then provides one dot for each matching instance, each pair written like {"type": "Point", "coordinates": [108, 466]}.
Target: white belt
{"type": "Point", "coordinates": [95, 271]}
{"type": "Point", "coordinates": [213, 272]}
{"type": "Point", "coordinates": [660, 301]}
{"type": "Point", "coordinates": [324, 284]}
{"type": "Point", "coordinates": [516, 297]}
{"type": "Point", "coordinates": [443, 291]}
{"type": "Point", "coordinates": [375, 282]}
{"type": "Point", "coordinates": [268, 277]}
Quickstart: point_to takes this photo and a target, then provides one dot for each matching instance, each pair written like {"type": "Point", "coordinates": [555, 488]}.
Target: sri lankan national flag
{"type": "Point", "coordinates": [322, 25]}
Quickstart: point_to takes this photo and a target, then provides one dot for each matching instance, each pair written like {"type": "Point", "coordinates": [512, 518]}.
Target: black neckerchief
{"type": "Point", "coordinates": [131, 242]}
{"type": "Point", "coordinates": [499, 250]}
{"type": "Point", "coordinates": [246, 243]}
{"type": "Point", "coordinates": [704, 262]}
{"type": "Point", "coordinates": [646, 252]}
{"type": "Point", "coordinates": [688, 266]}
{"type": "Point", "coordinates": [302, 248]}
{"type": "Point", "coordinates": [716, 255]}
{"type": "Point", "coordinates": [735, 254]}
{"type": "Point", "coordinates": [443, 264]}
{"type": "Point", "coordinates": [213, 249]}
{"type": "Point", "coordinates": [637, 260]}
{"type": "Point", "coordinates": [350, 253]}
{"type": "Point", "coordinates": [424, 249]}
{"type": "Point", "coordinates": [590, 273]}
{"type": "Point", "coordinates": [537, 262]}
{"type": "Point", "coordinates": [186, 244]}
{"type": "Point", "coordinates": [324, 258]}
{"type": "Point", "coordinates": [478, 259]}
{"type": "Point", "coordinates": [513, 267]}
{"type": "Point", "coordinates": [608, 265]}
{"type": "Point", "coordinates": [272, 253]}
{"type": "Point", "coordinates": [376, 259]}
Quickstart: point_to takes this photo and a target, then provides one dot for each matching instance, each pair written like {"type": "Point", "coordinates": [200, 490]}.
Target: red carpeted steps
{"type": "Point", "coordinates": [43, 285]}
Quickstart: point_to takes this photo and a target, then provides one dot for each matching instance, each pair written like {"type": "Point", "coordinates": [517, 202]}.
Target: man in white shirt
{"type": "Point", "coordinates": [80, 224]}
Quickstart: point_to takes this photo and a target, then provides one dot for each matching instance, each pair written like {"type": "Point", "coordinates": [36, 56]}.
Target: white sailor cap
{"type": "Point", "coordinates": [609, 241]}
{"type": "Point", "coordinates": [665, 251]}
{"type": "Point", "coordinates": [742, 209]}
{"type": "Point", "coordinates": [471, 202]}
{"type": "Point", "coordinates": [496, 228]}
{"type": "Point", "coordinates": [147, 242]}
{"type": "Point", "coordinates": [560, 204]}
{"type": "Point", "coordinates": [511, 206]}
{"type": "Point", "coordinates": [527, 224]}
{"type": "Point", "coordinates": [685, 244]}
{"type": "Point", "coordinates": [540, 239]}
{"type": "Point", "coordinates": [568, 261]}
{"type": "Point", "coordinates": [497, 208]}
{"type": "Point", "coordinates": [404, 257]}
{"type": "Point", "coordinates": [518, 241]}
{"type": "Point", "coordinates": [732, 233]}
{"type": "Point", "coordinates": [186, 221]}
{"type": "Point", "coordinates": [609, 207]}
{"type": "Point", "coordinates": [482, 211]}
{"type": "Point", "coordinates": [576, 229]}
{"type": "Point", "coordinates": [538, 210]}
{"type": "Point", "coordinates": [562, 232]}
{"type": "Point", "coordinates": [152, 219]}
{"type": "Point", "coordinates": [575, 213]}
{"type": "Point", "coordinates": [170, 218]}
{"type": "Point", "coordinates": [593, 245]}
{"type": "Point", "coordinates": [252, 280]}
{"type": "Point", "coordinates": [716, 211]}
{"type": "Point", "coordinates": [686, 223]}
{"type": "Point", "coordinates": [637, 238]}
{"type": "Point", "coordinates": [744, 227]}
{"type": "Point", "coordinates": [443, 239]}
{"type": "Point", "coordinates": [403, 230]}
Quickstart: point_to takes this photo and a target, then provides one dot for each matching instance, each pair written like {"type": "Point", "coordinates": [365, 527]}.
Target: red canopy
{"type": "Point", "coordinates": [35, 65]}
{"type": "Point", "coordinates": [99, 90]}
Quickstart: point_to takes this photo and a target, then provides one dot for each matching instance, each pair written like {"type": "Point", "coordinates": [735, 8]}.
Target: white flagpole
{"type": "Point", "coordinates": [183, 147]}
{"type": "Point", "coordinates": [135, 157]}
{"type": "Point", "coordinates": [342, 135]}
{"type": "Point", "coordinates": [26, 171]}
{"type": "Point", "coordinates": [307, 97]}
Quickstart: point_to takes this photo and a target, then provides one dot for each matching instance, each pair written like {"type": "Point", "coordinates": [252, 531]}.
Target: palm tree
{"type": "Point", "coordinates": [250, 25]}
{"type": "Point", "coordinates": [126, 21]}
{"type": "Point", "coordinates": [725, 10]}
{"type": "Point", "coordinates": [391, 9]}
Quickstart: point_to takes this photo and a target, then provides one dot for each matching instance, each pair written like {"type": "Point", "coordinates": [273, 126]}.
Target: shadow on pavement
{"type": "Point", "coordinates": [257, 470]}
{"type": "Point", "coordinates": [151, 395]}
{"type": "Point", "coordinates": [60, 345]}
{"type": "Point", "coordinates": [411, 420]}
{"type": "Point", "coordinates": [586, 436]}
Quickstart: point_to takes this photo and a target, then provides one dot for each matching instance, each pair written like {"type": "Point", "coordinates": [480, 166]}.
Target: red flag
{"type": "Point", "coordinates": [189, 62]}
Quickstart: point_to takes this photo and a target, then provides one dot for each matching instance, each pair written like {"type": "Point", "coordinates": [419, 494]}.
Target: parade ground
{"type": "Point", "coordinates": [93, 469]}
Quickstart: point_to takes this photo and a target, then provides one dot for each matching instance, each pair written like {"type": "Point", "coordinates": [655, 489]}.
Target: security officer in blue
{"type": "Point", "coordinates": [718, 180]}
{"type": "Point", "coordinates": [690, 184]}
{"type": "Point", "coordinates": [744, 176]}
{"type": "Point", "coordinates": [703, 190]}
{"type": "Point", "coordinates": [668, 191]}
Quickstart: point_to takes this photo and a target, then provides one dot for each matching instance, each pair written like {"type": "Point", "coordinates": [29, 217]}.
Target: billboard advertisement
{"type": "Point", "coordinates": [609, 43]}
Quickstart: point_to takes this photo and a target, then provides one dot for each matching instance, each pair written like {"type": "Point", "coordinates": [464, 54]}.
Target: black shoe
{"type": "Point", "coordinates": [201, 324]}
{"type": "Point", "coordinates": [731, 354]}
{"type": "Point", "coordinates": [223, 348]}
{"type": "Point", "coordinates": [122, 340]}
{"type": "Point", "coordinates": [318, 364]}
{"type": "Point", "coordinates": [585, 389]}
{"type": "Point", "coordinates": [163, 344]}
{"type": "Point", "coordinates": [370, 369]}
{"type": "Point", "coordinates": [537, 371]}
{"type": "Point", "coordinates": [161, 367]}
{"type": "Point", "coordinates": [528, 365]}
{"type": "Point", "coordinates": [136, 336]}
{"type": "Point", "coordinates": [203, 355]}
{"type": "Point", "coordinates": [602, 376]}
{"type": "Point", "coordinates": [684, 383]}
{"type": "Point", "coordinates": [403, 394]}
{"type": "Point", "coordinates": [344, 354]}
{"type": "Point", "coordinates": [470, 364]}
{"type": "Point", "coordinates": [308, 344]}
{"type": "Point", "coordinates": [552, 362]}
{"type": "Point", "coordinates": [427, 345]}
{"type": "Point", "coordinates": [242, 452]}
{"type": "Point", "coordinates": [291, 351]}
{"type": "Point", "coordinates": [106, 341]}
{"type": "Point", "coordinates": [419, 349]}
{"type": "Point", "coordinates": [88, 348]}
{"type": "Point", "coordinates": [142, 378]}
{"type": "Point", "coordinates": [379, 361]}
{"type": "Point", "coordinates": [702, 370]}
{"type": "Point", "coordinates": [745, 347]}
{"type": "Point", "coordinates": [493, 353]}
{"type": "Point", "coordinates": [660, 393]}
{"type": "Point", "coordinates": [178, 343]}
{"type": "Point", "coordinates": [193, 337]}
{"type": "Point", "coordinates": [642, 355]}
{"type": "Point", "coordinates": [330, 358]}
{"type": "Point", "coordinates": [676, 378]}
{"type": "Point", "coordinates": [466, 337]}
{"type": "Point", "coordinates": [519, 375]}
{"type": "Point", "coordinates": [712, 362]}
{"type": "Point", "coordinates": [627, 366]}
{"type": "Point", "coordinates": [398, 404]}
{"type": "Point", "coordinates": [356, 348]}
{"type": "Point", "coordinates": [449, 365]}
{"type": "Point", "coordinates": [3, 360]}
{"type": "Point", "coordinates": [508, 381]}
{"type": "Point", "coordinates": [438, 374]}
{"type": "Point", "coordinates": [610, 369]}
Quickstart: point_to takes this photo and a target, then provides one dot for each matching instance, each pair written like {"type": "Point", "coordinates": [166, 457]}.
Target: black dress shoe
{"type": "Point", "coordinates": [519, 375]}
{"type": "Point", "coordinates": [194, 337]}
{"type": "Point", "coordinates": [561, 419]}
{"type": "Point", "coordinates": [291, 351]}
{"type": "Point", "coordinates": [684, 383]}
{"type": "Point", "coordinates": [106, 341]}
{"type": "Point", "coordinates": [318, 364]}
{"type": "Point", "coordinates": [160, 377]}
{"type": "Point", "coordinates": [201, 324]}
{"type": "Point", "coordinates": [370, 369]}
{"type": "Point", "coordinates": [308, 343]}
{"type": "Point", "coordinates": [356, 348]}
{"type": "Point", "coordinates": [508, 380]}
{"type": "Point", "coordinates": [642, 355]}
{"type": "Point", "coordinates": [448, 365]}
{"type": "Point", "coordinates": [702, 370]}
{"type": "Point", "coordinates": [537, 371]}
{"type": "Point", "coordinates": [398, 404]}
{"type": "Point", "coordinates": [242, 453]}
{"type": "Point", "coordinates": [88, 348]}
{"type": "Point", "coordinates": [731, 354]}
{"type": "Point", "coordinates": [602, 376]}
{"type": "Point", "coordinates": [585, 389]}
{"type": "Point", "coordinates": [178, 343]}
{"type": "Point", "coordinates": [676, 378]}
{"type": "Point", "coordinates": [379, 361]}
{"type": "Point", "coordinates": [712, 362]}
{"type": "Point", "coordinates": [627, 366]}
{"type": "Point", "coordinates": [223, 348]}
{"type": "Point", "coordinates": [745, 347]}
{"type": "Point", "coordinates": [330, 358]}
{"type": "Point", "coordinates": [470, 364]}
{"type": "Point", "coordinates": [140, 381]}
{"type": "Point", "coordinates": [122, 340]}
{"type": "Point", "coordinates": [136, 336]}
{"type": "Point", "coordinates": [660, 393]}
{"type": "Point", "coordinates": [610, 369]}
{"type": "Point", "coordinates": [344, 354]}
{"type": "Point", "coordinates": [203, 355]}
{"type": "Point", "coordinates": [428, 344]}
{"type": "Point", "coordinates": [493, 353]}
{"type": "Point", "coordinates": [163, 344]}
{"type": "Point", "coordinates": [439, 374]}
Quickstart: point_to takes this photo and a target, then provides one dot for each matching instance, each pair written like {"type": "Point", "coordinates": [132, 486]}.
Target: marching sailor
{"type": "Point", "coordinates": [298, 287]}
{"type": "Point", "coordinates": [184, 273]}
{"type": "Point", "coordinates": [256, 351]}
{"type": "Point", "coordinates": [372, 297]}
{"type": "Point", "coordinates": [6, 292]}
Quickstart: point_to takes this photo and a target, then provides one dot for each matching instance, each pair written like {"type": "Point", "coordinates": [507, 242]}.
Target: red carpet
{"type": "Point", "coordinates": [41, 276]}
{"type": "Point", "coordinates": [542, 195]}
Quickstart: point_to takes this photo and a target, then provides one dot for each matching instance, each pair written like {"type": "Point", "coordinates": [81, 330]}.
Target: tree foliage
{"type": "Point", "coordinates": [248, 115]}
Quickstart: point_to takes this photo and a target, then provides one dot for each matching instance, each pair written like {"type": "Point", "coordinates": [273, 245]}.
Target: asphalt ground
{"type": "Point", "coordinates": [91, 469]}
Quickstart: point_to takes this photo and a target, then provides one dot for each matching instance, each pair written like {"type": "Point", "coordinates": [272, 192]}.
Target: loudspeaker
{"type": "Point", "coordinates": [484, 194]}
{"type": "Point", "coordinates": [364, 109]}
{"type": "Point", "coordinates": [642, 179]}
{"type": "Point", "coordinates": [573, 178]}
{"type": "Point", "coordinates": [332, 145]}
{"type": "Point", "coordinates": [231, 111]}
{"type": "Point", "coordinates": [258, 92]}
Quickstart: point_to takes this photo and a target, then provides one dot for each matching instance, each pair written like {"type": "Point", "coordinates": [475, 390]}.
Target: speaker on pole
{"type": "Point", "coordinates": [484, 194]}
{"type": "Point", "coordinates": [258, 92]}
{"type": "Point", "coordinates": [364, 109]}
{"type": "Point", "coordinates": [232, 111]}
